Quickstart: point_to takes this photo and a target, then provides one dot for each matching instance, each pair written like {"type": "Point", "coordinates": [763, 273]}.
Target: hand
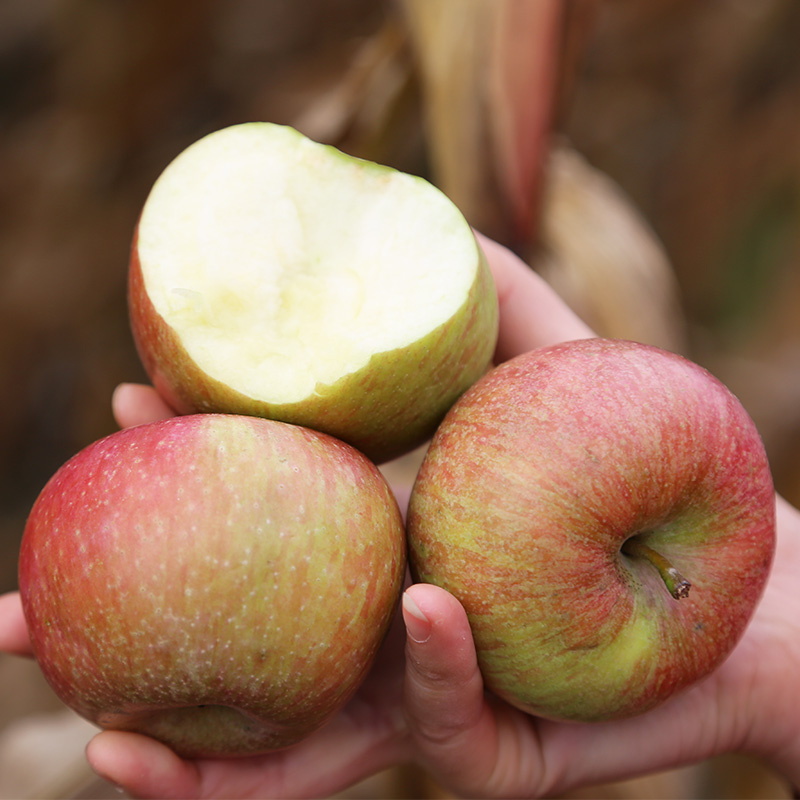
{"type": "Point", "coordinates": [370, 733]}
{"type": "Point", "coordinates": [473, 744]}
{"type": "Point", "coordinates": [479, 746]}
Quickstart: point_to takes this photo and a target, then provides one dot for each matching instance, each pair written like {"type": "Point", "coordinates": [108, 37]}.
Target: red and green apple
{"type": "Point", "coordinates": [220, 583]}
{"type": "Point", "coordinates": [605, 513]}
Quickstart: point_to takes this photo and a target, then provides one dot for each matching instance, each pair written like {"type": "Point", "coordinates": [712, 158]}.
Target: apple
{"type": "Point", "coordinates": [605, 513]}
{"type": "Point", "coordinates": [220, 583]}
{"type": "Point", "coordinates": [275, 276]}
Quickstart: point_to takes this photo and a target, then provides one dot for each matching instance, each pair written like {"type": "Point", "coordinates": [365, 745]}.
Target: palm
{"type": "Point", "coordinates": [430, 704]}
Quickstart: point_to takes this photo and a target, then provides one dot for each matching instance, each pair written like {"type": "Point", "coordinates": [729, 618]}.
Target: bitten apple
{"type": "Point", "coordinates": [220, 583]}
{"type": "Point", "coordinates": [605, 513]}
{"type": "Point", "coordinates": [275, 276]}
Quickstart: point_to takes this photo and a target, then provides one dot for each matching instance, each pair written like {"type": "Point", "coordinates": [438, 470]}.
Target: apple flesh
{"type": "Point", "coordinates": [219, 583]}
{"type": "Point", "coordinates": [275, 276]}
{"type": "Point", "coordinates": [605, 513]}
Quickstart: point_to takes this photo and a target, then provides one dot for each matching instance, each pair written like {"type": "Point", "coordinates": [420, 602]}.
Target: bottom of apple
{"type": "Point", "coordinates": [207, 731]}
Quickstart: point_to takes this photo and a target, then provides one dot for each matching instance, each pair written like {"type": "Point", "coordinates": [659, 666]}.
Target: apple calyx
{"type": "Point", "coordinates": [676, 584]}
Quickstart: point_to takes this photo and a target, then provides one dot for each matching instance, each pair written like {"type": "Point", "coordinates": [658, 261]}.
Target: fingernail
{"type": "Point", "coordinates": [418, 626]}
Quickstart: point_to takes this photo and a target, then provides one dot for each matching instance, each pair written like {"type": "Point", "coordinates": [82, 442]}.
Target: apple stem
{"type": "Point", "coordinates": [676, 584]}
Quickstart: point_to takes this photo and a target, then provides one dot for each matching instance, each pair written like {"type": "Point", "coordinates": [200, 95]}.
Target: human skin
{"type": "Point", "coordinates": [431, 708]}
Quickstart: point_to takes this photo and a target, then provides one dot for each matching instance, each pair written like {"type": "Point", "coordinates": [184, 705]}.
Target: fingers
{"type": "Point", "coordinates": [135, 404]}
{"type": "Point", "coordinates": [352, 747]}
{"type": "Point", "coordinates": [531, 314]}
{"type": "Point", "coordinates": [142, 766]}
{"type": "Point", "coordinates": [13, 630]}
{"type": "Point", "coordinates": [483, 747]}
{"type": "Point", "coordinates": [451, 725]}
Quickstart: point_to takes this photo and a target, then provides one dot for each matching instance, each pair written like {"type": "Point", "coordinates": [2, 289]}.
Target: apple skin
{"type": "Point", "coordinates": [536, 478]}
{"type": "Point", "coordinates": [219, 583]}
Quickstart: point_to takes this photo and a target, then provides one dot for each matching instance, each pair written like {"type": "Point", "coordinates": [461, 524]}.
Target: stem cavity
{"type": "Point", "coordinates": [676, 584]}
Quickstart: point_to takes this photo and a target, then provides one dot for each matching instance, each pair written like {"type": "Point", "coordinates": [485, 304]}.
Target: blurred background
{"type": "Point", "coordinates": [642, 156]}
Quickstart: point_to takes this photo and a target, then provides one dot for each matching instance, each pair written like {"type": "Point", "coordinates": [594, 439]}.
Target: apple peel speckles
{"type": "Point", "coordinates": [175, 611]}
{"type": "Point", "coordinates": [566, 500]}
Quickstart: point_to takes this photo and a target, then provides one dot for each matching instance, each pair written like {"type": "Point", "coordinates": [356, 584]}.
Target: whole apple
{"type": "Point", "coordinates": [604, 511]}
{"type": "Point", "coordinates": [219, 583]}
{"type": "Point", "coordinates": [275, 276]}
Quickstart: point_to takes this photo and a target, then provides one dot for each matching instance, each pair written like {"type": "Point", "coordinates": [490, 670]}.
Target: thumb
{"type": "Point", "coordinates": [451, 725]}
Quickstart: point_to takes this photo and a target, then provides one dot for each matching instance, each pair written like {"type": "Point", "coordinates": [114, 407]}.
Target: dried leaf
{"type": "Point", "coordinates": [524, 55]}
{"type": "Point", "coordinates": [451, 41]}
{"type": "Point", "coordinates": [599, 253]}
